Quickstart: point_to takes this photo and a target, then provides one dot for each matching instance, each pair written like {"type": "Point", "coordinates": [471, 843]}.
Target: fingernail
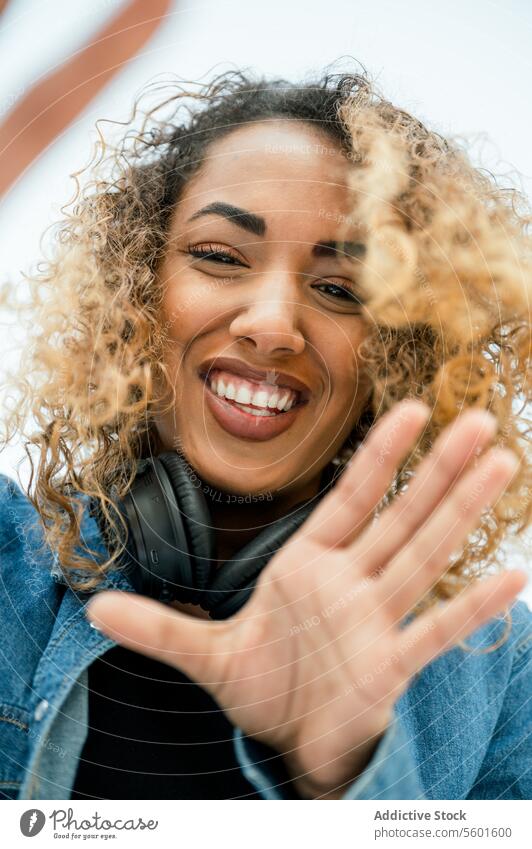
{"type": "Point", "coordinates": [511, 459]}
{"type": "Point", "coordinates": [413, 403]}
{"type": "Point", "coordinates": [88, 614]}
{"type": "Point", "coordinates": [488, 419]}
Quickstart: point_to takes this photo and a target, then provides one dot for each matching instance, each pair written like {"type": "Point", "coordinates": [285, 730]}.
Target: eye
{"type": "Point", "coordinates": [340, 292]}
{"type": "Point", "coordinates": [213, 253]}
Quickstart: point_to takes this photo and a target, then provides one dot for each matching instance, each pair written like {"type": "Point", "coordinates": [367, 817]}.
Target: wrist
{"type": "Point", "coordinates": [330, 778]}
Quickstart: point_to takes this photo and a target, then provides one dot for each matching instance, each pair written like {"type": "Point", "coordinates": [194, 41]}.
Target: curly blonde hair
{"type": "Point", "coordinates": [447, 279]}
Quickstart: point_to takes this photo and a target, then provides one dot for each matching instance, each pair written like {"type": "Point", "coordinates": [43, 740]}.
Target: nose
{"type": "Point", "coordinates": [270, 318]}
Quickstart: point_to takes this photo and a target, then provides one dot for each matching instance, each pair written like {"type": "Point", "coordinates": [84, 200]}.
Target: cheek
{"type": "Point", "coordinates": [344, 368]}
{"type": "Point", "coordinates": [348, 383]}
{"type": "Point", "coordinates": [187, 311]}
{"type": "Point", "coordinates": [351, 357]}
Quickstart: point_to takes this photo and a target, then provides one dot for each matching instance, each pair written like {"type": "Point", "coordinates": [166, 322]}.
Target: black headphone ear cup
{"type": "Point", "coordinates": [195, 516]}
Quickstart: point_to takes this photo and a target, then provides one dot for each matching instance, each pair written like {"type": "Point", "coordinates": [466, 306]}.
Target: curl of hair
{"type": "Point", "coordinates": [446, 276]}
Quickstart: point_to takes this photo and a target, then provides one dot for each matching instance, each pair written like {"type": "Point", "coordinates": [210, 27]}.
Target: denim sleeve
{"type": "Point", "coordinates": [391, 773]}
{"type": "Point", "coordinates": [506, 772]}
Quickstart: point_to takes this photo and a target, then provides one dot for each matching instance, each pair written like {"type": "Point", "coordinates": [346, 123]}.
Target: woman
{"type": "Point", "coordinates": [296, 289]}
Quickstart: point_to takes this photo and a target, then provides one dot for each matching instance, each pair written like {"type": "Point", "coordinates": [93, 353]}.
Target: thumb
{"type": "Point", "coordinates": [197, 647]}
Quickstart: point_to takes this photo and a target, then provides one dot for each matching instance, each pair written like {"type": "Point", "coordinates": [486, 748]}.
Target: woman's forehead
{"type": "Point", "coordinates": [275, 183]}
{"type": "Point", "coordinates": [281, 150]}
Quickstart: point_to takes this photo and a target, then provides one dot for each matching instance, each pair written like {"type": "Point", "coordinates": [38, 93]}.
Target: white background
{"type": "Point", "coordinates": [464, 68]}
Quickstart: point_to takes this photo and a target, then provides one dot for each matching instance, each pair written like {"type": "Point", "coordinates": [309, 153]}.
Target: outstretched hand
{"type": "Point", "coordinates": [313, 664]}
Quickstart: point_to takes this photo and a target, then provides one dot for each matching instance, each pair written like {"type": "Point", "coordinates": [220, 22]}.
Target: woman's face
{"type": "Point", "coordinates": [264, 331]}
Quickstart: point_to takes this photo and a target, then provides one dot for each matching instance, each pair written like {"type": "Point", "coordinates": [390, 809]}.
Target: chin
{"type": "Point", "coordinates": [224, 477]}
{"type": "Point", "coordinates": [243, 483]}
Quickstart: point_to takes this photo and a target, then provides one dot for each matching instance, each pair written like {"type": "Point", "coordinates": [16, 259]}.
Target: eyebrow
{"type": "Point", "coordinates": [257, 225]}
{"type": "Point", "coordinates": [241, 217]}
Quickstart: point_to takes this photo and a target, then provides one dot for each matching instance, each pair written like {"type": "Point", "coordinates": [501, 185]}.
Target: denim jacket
{"type": "Point", "coordinates": [462, 729]}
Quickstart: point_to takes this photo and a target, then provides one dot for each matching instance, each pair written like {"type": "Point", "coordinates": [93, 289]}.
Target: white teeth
{"type": "Point", "coordinates": [243, 395]}
{"type": "Point", "coordinates": [282, 401]}
{"type": "Point", "coordinates": [256, 412]}
{"type": "Point", "coordinates": [267, 398]}
{"type": "Point", "coordinates": [260, 398]}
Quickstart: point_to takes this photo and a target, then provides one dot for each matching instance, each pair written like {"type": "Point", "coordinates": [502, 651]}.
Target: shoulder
{"type": "Point", "coordinates": [472, 680]}
{"type": "Point", "coordinates": [26, 562]}
{"type": "Point", "coordinates": [487, 656]}
{"type": "Point", "coordinates": [28, 566]}
{"type": "Point", "coordinates": [453, 707]}
{"type": "Point", "coordinates": [15, 508]}
{"type": "Point", "coordinates": [30, 598]}
{"type": "Point", "coordinates": [507, 639]}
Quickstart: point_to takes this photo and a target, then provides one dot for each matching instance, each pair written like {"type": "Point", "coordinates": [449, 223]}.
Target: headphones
{"type": "Point", "coordinates": [169, 546]}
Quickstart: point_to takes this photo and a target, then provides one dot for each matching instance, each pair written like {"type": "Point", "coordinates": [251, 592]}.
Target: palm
{"type": "Point", "coordinates": [297, 650]}
{"type": "Point", "coordinates": [314, 662]}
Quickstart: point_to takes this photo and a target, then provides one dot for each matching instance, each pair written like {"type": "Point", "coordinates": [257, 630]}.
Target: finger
{"type": "Point", "coordinates": [455, 447]}
{"type": "Point", "coordinates": [195, 646]}
{"type": "Point", "coordinates": [350, 504]}
{"type": "Point", "coordinates": [420, 564]}
{"type": "Point", "coordinates": [437, 630]}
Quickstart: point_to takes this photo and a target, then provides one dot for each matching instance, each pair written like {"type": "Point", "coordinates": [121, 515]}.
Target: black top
{"type": "Point", "coordinates": [155, 734]}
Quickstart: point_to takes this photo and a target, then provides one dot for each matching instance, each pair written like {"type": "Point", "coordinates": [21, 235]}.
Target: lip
{"type": "Point", "coordinates": [271, 376]}
{"type": "Point", "coordinates": [245, 425]}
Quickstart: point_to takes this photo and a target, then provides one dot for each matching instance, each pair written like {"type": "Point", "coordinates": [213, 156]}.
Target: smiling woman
{"type": "Point", "coordinates": [282, 329]}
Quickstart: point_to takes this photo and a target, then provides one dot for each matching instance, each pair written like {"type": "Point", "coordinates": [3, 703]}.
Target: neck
{"type": "Point", "coordinates": [237, 522]}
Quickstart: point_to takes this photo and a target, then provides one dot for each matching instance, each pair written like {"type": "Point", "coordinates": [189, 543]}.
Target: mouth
{"type": "Point", "coordinates": [249, 403]}
{"type": "Point", "coordinates": [267, 379]}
